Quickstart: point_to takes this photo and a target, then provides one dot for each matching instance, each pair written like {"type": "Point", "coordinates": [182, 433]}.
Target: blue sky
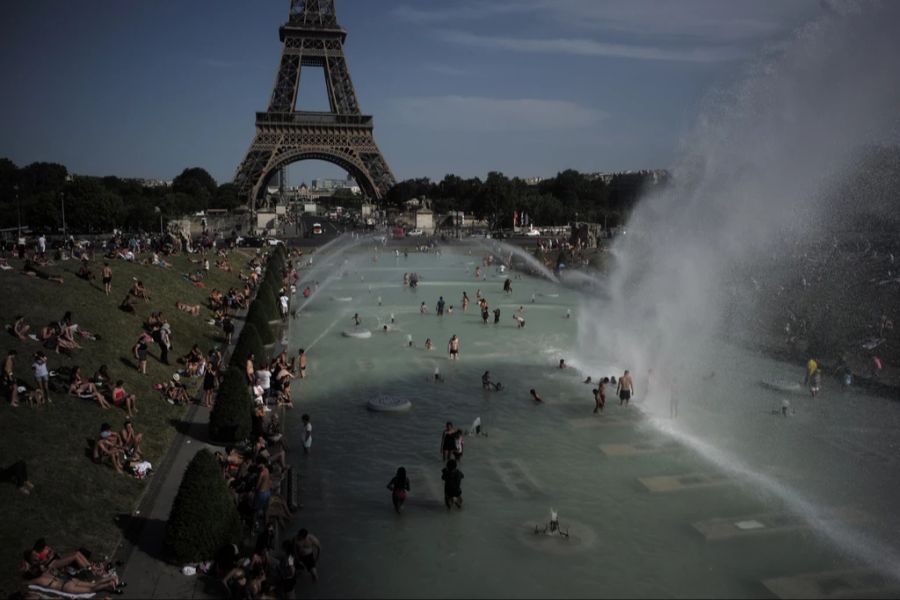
{"type": "Point", "coordinates": [528, 87]}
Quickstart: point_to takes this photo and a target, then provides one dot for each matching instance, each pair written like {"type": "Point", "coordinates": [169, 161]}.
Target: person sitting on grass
{"type": "Point", "coordinates": [139, 291]}
{"type": "Point", "coordinates": [109, 444]}
{"type": "Point", "coordinates": [127, 304]}
{"type": "Point", "coordinates": [17, 473]}
{"type": "Point", "coordinates": [20, 328]}
{"type": "Point", "coordinates": [84, 272]}
{"type": "Point", "coordinates": [175, 391]}
{"type": "Point", "coordinates": [66, 339]}
{"type": "Point", "coordinates": [101, 378]}
{"type": "Point", "coordinates": [195, 362]}
{"type": "Point", "coordinates": [121, 398]}
{"type": "Point", "coordinates": [82, 388]}
{"type": "Point", "coordinates": [130, 439]}
{"type": "Point", "coordinates": [191, 309]}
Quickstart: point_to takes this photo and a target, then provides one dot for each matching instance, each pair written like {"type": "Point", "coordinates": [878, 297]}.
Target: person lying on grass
{"type": "Point", "coordinates": [191, 309]}
{"type": "Point", "coordinates": [31, 270]}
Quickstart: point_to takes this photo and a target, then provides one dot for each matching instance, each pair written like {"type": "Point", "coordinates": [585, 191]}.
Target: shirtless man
{"type": "Point", "coordinates": [625, 388]}
{"type": "Point", "coordinates": [106, 276]}
{"type": "Point", "coordinates": [301, 363]}
{"type": "Point", "coordinates": [534, 396]}
{"type": "Point", "coordinates": [599, 399]}
{"type": "Point", "coordinates": [307, 549]}
{"type": "Point", "coordinates": [453, 347]}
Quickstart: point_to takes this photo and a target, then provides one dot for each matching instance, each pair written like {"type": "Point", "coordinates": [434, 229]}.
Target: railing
{"type": "Point", "coordinates": [312, 118]}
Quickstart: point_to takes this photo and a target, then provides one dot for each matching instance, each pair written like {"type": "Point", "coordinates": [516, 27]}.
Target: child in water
{"type": "Point", "coordinates": [399, 486]}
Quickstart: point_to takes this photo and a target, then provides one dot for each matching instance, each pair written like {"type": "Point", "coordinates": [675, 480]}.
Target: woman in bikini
{"type": "Point", "coordinates": [110, 583]}
{"type": "Point", "coordinates": [122, 398]}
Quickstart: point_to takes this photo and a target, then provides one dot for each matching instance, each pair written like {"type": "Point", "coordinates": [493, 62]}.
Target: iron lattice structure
{"type": "Point", "coordinates": [343, 136]}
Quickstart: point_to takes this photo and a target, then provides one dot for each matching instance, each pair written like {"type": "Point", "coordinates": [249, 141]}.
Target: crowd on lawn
{"type": "Point", "coordinates": [254, 470]}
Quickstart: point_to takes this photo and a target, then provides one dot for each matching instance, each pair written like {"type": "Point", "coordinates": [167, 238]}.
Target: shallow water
{"type": "Point", "coordinates": [837, 450]}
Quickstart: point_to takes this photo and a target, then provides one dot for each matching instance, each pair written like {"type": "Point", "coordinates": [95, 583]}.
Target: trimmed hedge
{"type": "Point", "coordinates": [229, 420]}
{"type": "Point", "coordinates": [258, 315]}
{"type": "Point", "coordinates": [204, 517]}
{"type": "Point", "coordinates": [268, 301]}
{"type": "Point", "coordinates": [248, 342]}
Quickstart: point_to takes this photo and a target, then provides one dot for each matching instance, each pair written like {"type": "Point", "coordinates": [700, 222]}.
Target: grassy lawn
{"type": "Point", "coordinates": [75, 502]}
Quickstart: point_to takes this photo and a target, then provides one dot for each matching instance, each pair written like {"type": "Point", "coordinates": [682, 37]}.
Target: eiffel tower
{"type": "Point", "coordinates": [343, 135]}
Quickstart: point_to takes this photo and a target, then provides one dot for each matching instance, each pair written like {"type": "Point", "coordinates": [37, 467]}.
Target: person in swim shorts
{"type": "Point", "coordinates": [625, 388]}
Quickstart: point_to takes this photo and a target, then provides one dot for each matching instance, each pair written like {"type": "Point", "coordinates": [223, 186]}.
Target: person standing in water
{"type": "Point", "coordinates": [507, 286]}
{"type": "Point", "coordinates": [307, 433]}
{"type": "Point", "coordinates": [452, 485]}
{"type": "Point", "coordinates": [356, 319]}
{"type": "Point", "coordinates": [599, 399]}
{"type": "Point", "coordinates": [447, 441]}
{"type": "Point", "coordinates": [440, 307]}
{"type": "Point", "coordinates": [465, 301]}
{"type": "Point", "coordinates": [534, 396]}
{"type": "Point", "coordinates": [625, 388]}
{"type": "Point", "coordinates": [496, 316]}
{"type": "Point", "coordinates": [453, 347]}
{"type": "Point", "coordinates": [399, 487]}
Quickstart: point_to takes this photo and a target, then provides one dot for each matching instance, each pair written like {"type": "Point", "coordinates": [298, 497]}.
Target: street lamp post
{"type": "Point", "coordinates": [63, 198]}
{"type": "Point", "coordinates": [18, 213]}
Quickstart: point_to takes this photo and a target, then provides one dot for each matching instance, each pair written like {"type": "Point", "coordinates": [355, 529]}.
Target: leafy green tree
{"type": "Point", "coordinates": [198, 184]}
{"type": "Point", "coordinates": [227, 197]}
{"type": "Point", "coordinates": [91, 207]}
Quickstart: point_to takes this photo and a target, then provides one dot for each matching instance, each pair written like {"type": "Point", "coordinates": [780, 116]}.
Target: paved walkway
{"type": "Point", "coordinates": [147, 573]}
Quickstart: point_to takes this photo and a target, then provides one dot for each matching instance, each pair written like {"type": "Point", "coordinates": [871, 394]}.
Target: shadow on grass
{"type": "Point", "coordinates": [128, 363]}
{"type": "Point", "coordinates": [197, 431]}
{"type": "Point", "coordinates": [145, 534]}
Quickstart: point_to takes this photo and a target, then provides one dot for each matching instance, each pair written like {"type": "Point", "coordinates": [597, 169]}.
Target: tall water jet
{"type": "Point", "coordinates": [753, 179]}
{"type": "Point", "coordinates": [504, 249]}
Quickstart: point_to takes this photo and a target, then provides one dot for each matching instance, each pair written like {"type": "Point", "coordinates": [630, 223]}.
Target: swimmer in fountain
{"type": "Point", "coordinates": [453, 347]}
{"type": "Point", "coordinates": [423, 310]}
{"type": "Point", "coordinates": [535, 396]}
{"type": "Point", "coordinates": [507, 286]}
{"type": "Point", "coordinates": [625, 388]}
{"type": "Point", "coordinates": [520, 320]}
{"type": "Point", "coordinates": [438, 378]}
{"type": "Point", "coordinates": [562, 363]}
{"type": "Point", "coordinates": [489, 385]}
{"type": "Point", "coordinates": [356, 319]}
{"type": "Point", "coordinates": [409, 340]}
{"type": "Point", "coordinates": [476, 428]}
{"type": "Point", "coordinates": [428, 344]}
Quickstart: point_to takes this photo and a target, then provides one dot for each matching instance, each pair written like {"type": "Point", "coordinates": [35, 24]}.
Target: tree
{"type": "Point", "coordinates": [91, 207]}
{"type": "Point", "coordinates": [227, 197]}
{"type": "Point", "coordinates": [198, 184]}
{"type": "Point", "coordinates": [230, 418]}
{"type": "Point", "coordinates": [204, 517]}
{"type": "Point", "coordinates": [495, 202]}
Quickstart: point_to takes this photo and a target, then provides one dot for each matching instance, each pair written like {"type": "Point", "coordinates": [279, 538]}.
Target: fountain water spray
{"type": "Point", "coordinates": [761, 159]}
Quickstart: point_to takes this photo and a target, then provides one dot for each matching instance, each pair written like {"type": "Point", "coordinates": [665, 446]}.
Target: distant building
{"type": "Point", "coordinates": [533, 180]}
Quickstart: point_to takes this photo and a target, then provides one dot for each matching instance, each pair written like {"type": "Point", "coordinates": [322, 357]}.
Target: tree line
{"type": "Point", "coordinates": [34, 195]}
{"type": "Point", "coordinates": [569, 196]}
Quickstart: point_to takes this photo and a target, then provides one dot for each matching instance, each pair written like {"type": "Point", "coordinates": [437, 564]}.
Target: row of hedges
{"type": "Point", "coordinates": [229, 420]}
{"type": "Point", "coordinates": [204, 517]}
